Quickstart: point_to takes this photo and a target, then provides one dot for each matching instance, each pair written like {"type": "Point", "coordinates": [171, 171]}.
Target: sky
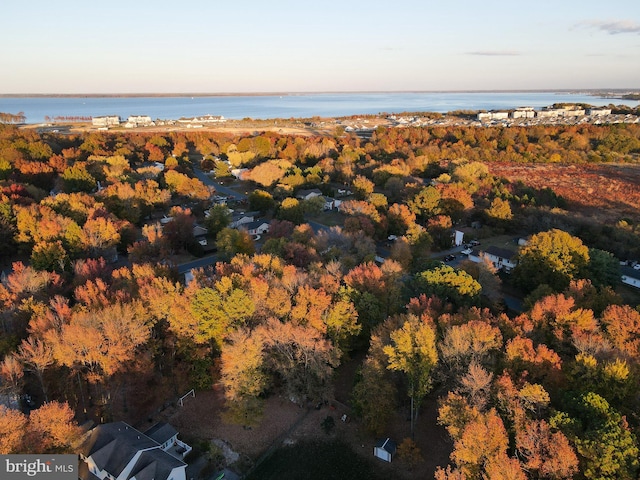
{"type": "Point", "coordinates": [241, 46]}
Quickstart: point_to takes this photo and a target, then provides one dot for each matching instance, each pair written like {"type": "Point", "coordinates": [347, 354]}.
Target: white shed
{"type": "Point", "coordinates": [458, 238]}
{"type": "Point", "coordinates": [385, 449]}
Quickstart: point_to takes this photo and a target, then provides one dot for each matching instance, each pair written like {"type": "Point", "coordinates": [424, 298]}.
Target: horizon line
{"type": "Point", "coordinates": [312, 92]}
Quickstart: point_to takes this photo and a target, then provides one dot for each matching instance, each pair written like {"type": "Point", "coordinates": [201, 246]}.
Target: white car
{"type": "Point", "coordinates": [466, 251]}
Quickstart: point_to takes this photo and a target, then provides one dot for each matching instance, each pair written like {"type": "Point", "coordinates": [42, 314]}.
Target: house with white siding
{"type": "Point", "coordinates": [105, 121]}
{"type": "Point", "coordinates": [258, 227]}
{"type": "Point", "coordinates": [500, 257]}
{"type": "Point", "coordinates": [117, 451]}
{"type": "Point", "coordinates": [630, 276]}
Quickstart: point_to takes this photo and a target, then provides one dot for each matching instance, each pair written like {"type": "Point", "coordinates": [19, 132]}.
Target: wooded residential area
{"type": "Point", "coordinates": [93, 227]}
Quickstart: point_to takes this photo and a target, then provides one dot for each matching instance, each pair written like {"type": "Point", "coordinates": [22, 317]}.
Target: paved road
{"type": "Point", "coordinates": [199, 263]}
{"type": "Point", "coordinates": [317, 227]}
{"type": "Point", "coordinates": [207, 180]}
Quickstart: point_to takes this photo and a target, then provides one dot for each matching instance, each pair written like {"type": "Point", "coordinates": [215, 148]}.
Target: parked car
{"type": "Point", "coordinates": [449, 258]}
{"type": "Point", "coordinates": [466, 251]}
{"type": "Point", "coordinates": [474, 243]}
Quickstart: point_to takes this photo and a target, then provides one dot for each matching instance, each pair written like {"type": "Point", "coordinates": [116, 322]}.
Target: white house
{"type": "Point", "coordinates": [241, 218]}
{"type": "Point", "coordinates": [117, 451]}
{"type": "Point", "coordinates": [200, 234]}
{"type": "Point", "coordinates": [167, 437]}
{"type": "Point", "coordinates": [139, 121]}
{"type": "Point", "coordinates": [630, 276]}
{"type": "Point", "coordinates": [258, 227]}
{"type": "Point", "coordinates": [331, 203]}
{"type": "Point", "coordinates": [204, 119]}
{"type": "Point", "coordinates": [385, 449]}
{"type": "Point", "coordinates": [308, 194]}
{"type": "Point", "coordinates": [523, 112]}
{"type": "Point", "coordinates": [239, 172]}
{"type": "Point", "coordinates": [500, 257]}
{"type": "Point", "coordinates": [105, 121]}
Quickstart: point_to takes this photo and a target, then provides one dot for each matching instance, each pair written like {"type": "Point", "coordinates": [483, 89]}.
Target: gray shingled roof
{"type": "Point", "coordinates": [387, 444]}
{"type": "Point", "coordinates": [254, 224]}
{"type": "Point", "coordinates": [84, 473]}
{"type": "Point", "coordinates": [155, 465]}
{"type": "Point", "coordinates": [113, 445]}
{"type": "Point", "coordinates": [161, 432]}
{"type": "Point", "coordinates": [500, 252]}
{"type": "Point", "coordinates": [630, 272]}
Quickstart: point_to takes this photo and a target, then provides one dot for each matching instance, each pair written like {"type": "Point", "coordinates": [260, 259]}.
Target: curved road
{"type": "Point", "coordinates": [207, 180]}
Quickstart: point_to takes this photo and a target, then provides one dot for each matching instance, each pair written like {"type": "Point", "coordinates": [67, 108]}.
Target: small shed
{"type": "Point", "coordinates": [385, 449]}
{"type": "Point", "coordinates": [458, 238]}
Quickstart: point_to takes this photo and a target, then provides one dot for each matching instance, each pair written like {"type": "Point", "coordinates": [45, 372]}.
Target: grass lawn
{"type": "Point", "coordinates": [317, 460]}
{"type": "Point", "coordinates": [331, 219]}
{"type": "Point", "coordinates": [629, 294]}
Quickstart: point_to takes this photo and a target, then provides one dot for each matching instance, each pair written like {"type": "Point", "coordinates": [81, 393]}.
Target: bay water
{"type": "Point", "coordinates": [295, 105]}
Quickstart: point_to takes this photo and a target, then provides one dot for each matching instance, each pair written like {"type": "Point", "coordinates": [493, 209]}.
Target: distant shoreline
{"type": "Point", "coordinates": [607, 93]}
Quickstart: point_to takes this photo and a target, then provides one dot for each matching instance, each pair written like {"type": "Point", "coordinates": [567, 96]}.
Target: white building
{"type": "Point", "coordinates": [598, 112]}
{"type": "Point", "coordinates": [204, 119]}
{"type": "Point", "coordinates": [500, 257]}
{"type": "Point", "coordinates": [308, 194]}
{"type": "Point", "coordinates": [242, 218]}
{"type": "Point", "coordinates": [105, 121]}
{"type": "Point", "coordinates": [385, 449]}
{"type": "Point", "coordinates": [331, 203]}
{"type": "Point", "coordinates": [630, 276]}
{"type": "Point", "coordinates": [258, 227]}
{"type": "Point", "coordinates": [138, 121]}
{"type": "Point", "coordinates": [523, 112]}
{"type": "Point", "coordinates": [117, 451]}
{"type": "Point", "coordinates": [568, 111]}
{"type": "Point", "coordinates": [484, 116]}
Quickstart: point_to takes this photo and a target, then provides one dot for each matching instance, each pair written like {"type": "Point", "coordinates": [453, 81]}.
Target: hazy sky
{"type": "Point", "coordinates": [145, 46]}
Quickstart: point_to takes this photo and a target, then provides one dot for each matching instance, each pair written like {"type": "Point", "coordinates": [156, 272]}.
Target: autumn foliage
{"type": "Point", "coordinates": [547, 393]}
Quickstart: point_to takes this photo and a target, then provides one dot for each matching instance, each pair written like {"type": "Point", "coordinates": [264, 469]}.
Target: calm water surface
{"type": "Point", "coordinates": [288, 106]}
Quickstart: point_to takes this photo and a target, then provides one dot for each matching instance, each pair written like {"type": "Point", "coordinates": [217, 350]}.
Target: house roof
{"type": "Point", "coordinates": [500, 252]}
{"type": "Point", "coordinates": [84, 473]}
{"type": "Point", "coordinates": [237, 216]}
{"type": "Point", "coordinates": [630, 272]}
{"type": "Point", "coordinates": [155, 465]}
{"type": "Point", "coordinates": [303, 193]}
{"type": "Point", "coordinates": [387, 444]}
{"type": "Point", "coordinates": [255, 224]}
{"type": "Point", "coordinates": [161, 432]}
{"type": "Point", "coordinates": [113, 445]}
{"type": "Point", "coordinates": [199, 231]}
